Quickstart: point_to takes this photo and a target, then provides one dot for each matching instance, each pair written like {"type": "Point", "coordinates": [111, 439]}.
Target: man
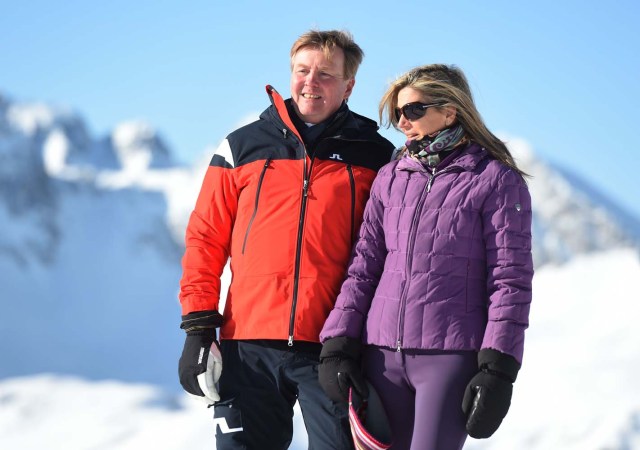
{"type": "Point", "coordinates": [282, 198]}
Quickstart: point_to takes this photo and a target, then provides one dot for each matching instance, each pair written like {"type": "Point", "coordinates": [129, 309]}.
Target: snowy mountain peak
{"type": "Point", "coordinates": [570, 217]}
{"type": "Point", "coordinates": [41, 143]}
{"type": "Point", "coordinates": [30, 118]}
{"type": "Point", "coordinates": [69, 152]}
{"type": "Point", "coordinates": [54, 136]}
{"type": "Point", "coordinates": [50, 171]}
{"type": "Point", "coordinates": [139, 147]}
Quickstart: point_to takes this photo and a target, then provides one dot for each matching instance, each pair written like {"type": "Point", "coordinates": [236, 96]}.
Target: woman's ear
{"type": "Point", "coordinates": [450, 113]}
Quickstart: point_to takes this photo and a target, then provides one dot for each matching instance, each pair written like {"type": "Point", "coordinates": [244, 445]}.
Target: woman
{"type": "Point", "coordinates": [439, 286]}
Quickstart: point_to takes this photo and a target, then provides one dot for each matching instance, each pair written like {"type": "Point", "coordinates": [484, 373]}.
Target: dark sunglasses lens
{"type": "Point", "coordinates": [413, 111]}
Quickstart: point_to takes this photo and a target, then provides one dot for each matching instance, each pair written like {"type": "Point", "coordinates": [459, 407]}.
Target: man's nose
{"type": "Point", "coordinates": [311, 77]}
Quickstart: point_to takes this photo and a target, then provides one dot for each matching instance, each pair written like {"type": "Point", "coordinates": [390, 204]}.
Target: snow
{"type": "Point", "coordinates": [62, 412]}
{"type": "Point", "coordinates": [139, 147]}
{"type": "Point", "coordinates": [54, 412]}
{"type": "Point", "coordinates": [31, 117]}
{"type": "Point", "coordinates": [55, 150]}
{"type": "Point", "coordinates": [104, 300]}
{"type": "Point", "coordinates": [577, 389]}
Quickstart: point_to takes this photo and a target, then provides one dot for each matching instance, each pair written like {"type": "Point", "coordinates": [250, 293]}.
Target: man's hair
{"type": "Point", "coordinates": [328, 41]}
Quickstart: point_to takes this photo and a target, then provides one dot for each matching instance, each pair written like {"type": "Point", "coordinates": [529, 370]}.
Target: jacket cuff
{"type": "Point", "coordinates": [499, 363]}
{"type": "Point", "coordinates": [340, 347]}
{"type": "Point", "coordinates": [201, 320]}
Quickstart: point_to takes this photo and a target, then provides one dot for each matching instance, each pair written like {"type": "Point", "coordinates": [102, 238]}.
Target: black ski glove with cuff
{"type": "Point", "coordinates": [340, 369]}
{"type": "Point", "coordinates": [200, 365]}
{"type": "Point", "coordinates": [488, 395]}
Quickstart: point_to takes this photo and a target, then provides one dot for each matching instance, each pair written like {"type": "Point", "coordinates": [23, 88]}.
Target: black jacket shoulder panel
{"type": "Point", "coordinates": [355, 142]}
{"type": "Point", "coordinates": [263, 139]}
{"type": "Point", "coordinates": [219, 161]}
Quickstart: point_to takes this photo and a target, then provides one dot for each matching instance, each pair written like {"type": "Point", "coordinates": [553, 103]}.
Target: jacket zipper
{"type": "Point", "coordinates": [278, 103]}
{"type": "Point", "coordinates": [408, 262]}
{"type": "Point", "coordinates": [352, 182]}
{"type": "Point", "coordinates": [306, 176]}
{"type": "Point", "coordinates": [255, 207]}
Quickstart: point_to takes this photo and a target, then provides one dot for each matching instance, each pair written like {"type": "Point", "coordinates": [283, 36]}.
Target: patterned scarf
{"type": "Point", "coordinates": [427, 150]}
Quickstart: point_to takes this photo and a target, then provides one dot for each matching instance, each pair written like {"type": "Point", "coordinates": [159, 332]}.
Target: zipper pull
{"type": "Point", "coordinates": [290, 343]}
{"type": "Point", "coordinates": [398, 346]}
{"type": "Point", "coordinates": [284, 132]}
{"type": "Point", "coordinates": [430, 182]}
{"type": "Point", "coordinates": [305, 188]}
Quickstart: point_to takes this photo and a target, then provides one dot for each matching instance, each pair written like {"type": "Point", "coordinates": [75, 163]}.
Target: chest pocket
{"type": "Point", "coordinates": [256, 203]}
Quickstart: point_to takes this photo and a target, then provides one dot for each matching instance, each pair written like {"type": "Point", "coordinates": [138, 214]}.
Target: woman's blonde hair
{"type": "Point", "coordinates": [446, 84]}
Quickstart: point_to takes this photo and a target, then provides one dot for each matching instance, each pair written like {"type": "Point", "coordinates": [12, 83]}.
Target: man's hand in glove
{"type": "Point", "coordinates": [200, 365]}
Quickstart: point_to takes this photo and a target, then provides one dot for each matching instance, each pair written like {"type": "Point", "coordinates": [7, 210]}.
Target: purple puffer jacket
{"type": "Point", "coordinates": [443, 260]}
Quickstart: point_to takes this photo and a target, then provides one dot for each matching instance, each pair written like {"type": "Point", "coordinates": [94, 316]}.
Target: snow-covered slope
{"type": "Point", "coordinates": [578, 385]}
{"type": "Point", "coordinates": [577, 389]}
{"type": "Point", "coordinates": [89, 261]}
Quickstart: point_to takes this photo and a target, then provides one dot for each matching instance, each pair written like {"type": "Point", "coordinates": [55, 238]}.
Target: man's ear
{"type": "Point", "coordinates": [350, 85]}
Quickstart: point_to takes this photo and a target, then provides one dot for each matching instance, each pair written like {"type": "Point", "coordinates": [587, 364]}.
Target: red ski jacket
{"type": "Point", "coordinates": [287, 221]}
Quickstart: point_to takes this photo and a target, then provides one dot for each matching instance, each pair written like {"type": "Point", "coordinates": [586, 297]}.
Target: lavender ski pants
{"type": "Point", "coordinates": [422, 391]}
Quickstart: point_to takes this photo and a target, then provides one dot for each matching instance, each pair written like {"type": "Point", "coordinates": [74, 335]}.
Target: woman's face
{"type": "Point", "coordinates": [434, 119]}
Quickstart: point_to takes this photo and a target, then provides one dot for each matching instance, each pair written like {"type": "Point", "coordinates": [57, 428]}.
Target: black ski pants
{"type": "Point", "coordinates": [260, 383]}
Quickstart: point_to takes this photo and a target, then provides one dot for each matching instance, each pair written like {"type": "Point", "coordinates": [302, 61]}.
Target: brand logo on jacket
{"type": "Point", "coordinates": [224, 426]}
{"type": "Point", "coordinates": [201, 355]}
{"type": "Point", "coordinates": [336, 156]}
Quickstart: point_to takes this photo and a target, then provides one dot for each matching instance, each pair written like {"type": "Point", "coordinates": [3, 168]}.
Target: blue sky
{"type": "Point", "coordinates": [561, 74]}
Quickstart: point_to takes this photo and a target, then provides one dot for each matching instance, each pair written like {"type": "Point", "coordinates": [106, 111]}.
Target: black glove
{"type": "Point", "coordinates": [200, 364]}
{"type": "Point", "coordinates": [488, 395]}
{"type": "Point", "coordinates": [340, 369]}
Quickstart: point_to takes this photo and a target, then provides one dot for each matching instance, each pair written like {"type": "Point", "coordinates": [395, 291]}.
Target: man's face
{"type": "Point", "coordinates": [318, 86]}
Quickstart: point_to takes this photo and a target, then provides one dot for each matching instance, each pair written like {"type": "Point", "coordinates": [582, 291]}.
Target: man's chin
{"type": "Point", "coordinates": [310, 116]}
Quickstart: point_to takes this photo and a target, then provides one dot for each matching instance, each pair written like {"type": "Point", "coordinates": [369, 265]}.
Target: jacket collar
{"type": "Point", "coordinates": [353, 125]}
{"type": "Point", "coordinates": [467, 160]}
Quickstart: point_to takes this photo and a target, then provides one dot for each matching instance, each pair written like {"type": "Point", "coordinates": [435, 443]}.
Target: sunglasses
{"type": "Point", "coordinates": [414, 110]}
